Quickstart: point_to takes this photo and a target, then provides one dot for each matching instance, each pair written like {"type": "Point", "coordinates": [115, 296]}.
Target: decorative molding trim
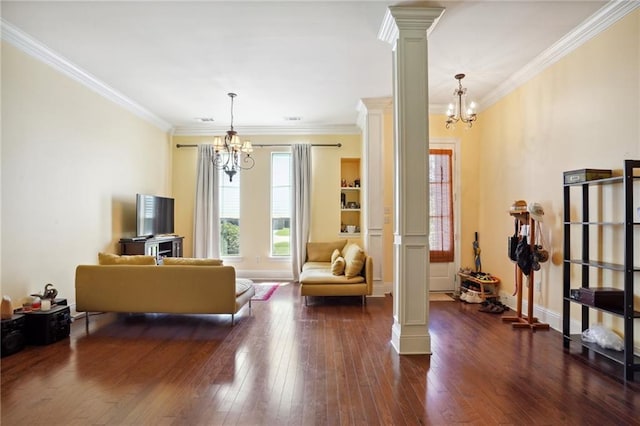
{"type": "Point", "coordinates": [335, 129]}
{"type": "Point", "coordinates": [383, 289]}
{"type": "Point", "coordinates": [34, 48]}
{"type": "Point", "coordinates": [389, 29]}
{"type": "Point", "coordinates": [406, 343]}
{"type": "Point", "coordinates": [592, 26]}
{"type": "Point", "coordinates": [366, 105]}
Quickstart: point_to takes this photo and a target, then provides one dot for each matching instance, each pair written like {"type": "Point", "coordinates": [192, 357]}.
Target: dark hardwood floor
{"type": "Point", "coordinates": [330, 363]}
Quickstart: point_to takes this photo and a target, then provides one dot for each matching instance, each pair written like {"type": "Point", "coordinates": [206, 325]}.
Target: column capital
{"type": "Point", "coordinates": [368, 106]}
{"type": "Point", "coordinates": [408, 18]}
{"type": "Point", "coordinates": [383, 103]}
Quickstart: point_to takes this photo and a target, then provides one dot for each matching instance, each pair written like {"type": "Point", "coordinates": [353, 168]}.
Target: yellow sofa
{"type": "Point", "coordinates": [319, 276]}
{"type": "Point", "coordinates": [184, 289]}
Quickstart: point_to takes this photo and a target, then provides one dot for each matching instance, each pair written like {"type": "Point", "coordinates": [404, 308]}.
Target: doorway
{"type": "Point", "coordinates": [444, 212]}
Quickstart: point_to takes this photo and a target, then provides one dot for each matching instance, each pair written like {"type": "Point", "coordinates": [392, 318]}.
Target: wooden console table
{"type": "Point", "coordinates": [159, 247]}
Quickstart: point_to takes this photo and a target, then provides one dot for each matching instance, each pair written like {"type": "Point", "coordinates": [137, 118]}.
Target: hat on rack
{"type": "Point", "coordinates": [518, 207]}
{"type": "Point", "coordinates": [536, 211]}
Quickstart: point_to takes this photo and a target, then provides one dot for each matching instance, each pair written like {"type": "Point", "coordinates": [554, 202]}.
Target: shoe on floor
{"type": "Point", "coordinates": [474, 297]}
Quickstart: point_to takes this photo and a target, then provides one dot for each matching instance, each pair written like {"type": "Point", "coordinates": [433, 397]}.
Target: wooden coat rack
{"type": "Point", "coordinates": [519, 320]}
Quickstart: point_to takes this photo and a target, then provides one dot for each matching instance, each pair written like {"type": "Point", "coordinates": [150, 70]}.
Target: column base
{"type": "Point", "coordinates": [410, 340]}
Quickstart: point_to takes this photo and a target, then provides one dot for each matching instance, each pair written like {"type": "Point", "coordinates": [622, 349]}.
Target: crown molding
{"type": "Point", "coordinates": [204, 130]}
{"type": "Point", "coordinates": [592, 26]}
{"type": "Point", "coordinates": [34, 48]}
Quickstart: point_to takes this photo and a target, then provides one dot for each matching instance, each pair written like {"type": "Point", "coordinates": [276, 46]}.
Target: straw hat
{"type": "Point", "coordinates": [536, 211]}
{"type": "Point", "coordinates": [519, 206]}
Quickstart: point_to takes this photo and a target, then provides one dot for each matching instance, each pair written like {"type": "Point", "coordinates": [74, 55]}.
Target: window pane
{"type": "Point", "coordinates": [280, 203]}
{"type": "Point", "coordinates": [229, 214]}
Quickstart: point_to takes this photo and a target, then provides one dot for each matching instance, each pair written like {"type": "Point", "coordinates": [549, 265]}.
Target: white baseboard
{"type": "Point", "coordinates": [547, 316]}
{"type": "Point", "coordinates": [266, 274]}
{"type": "Point", "coordinates": [380, 289]}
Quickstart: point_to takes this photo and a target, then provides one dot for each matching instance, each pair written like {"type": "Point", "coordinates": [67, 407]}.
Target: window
{"type": "Point", "coordinates": [441, 205]}
{"type": "Point", "coordinates": [280, 204]}
{"type": "Point", "coordinates": [229, 214]}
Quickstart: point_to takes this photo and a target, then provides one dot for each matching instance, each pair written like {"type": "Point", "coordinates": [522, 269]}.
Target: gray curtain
{"type": "Point", "coordinates": [301, 209]}
{"type": "Point", "coordinates": [206, 220]}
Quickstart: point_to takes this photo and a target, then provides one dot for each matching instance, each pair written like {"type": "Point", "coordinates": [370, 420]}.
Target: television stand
{"type": "Point", "coordinates": [160, 247]}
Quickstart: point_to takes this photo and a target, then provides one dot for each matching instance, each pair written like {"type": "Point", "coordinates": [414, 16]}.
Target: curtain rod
{"type": "Point", "coordinates": [181, 145]}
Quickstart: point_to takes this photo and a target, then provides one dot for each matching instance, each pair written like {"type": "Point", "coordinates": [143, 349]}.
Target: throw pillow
{"type": "Point", "coordinates": [321, 252]}
{"type": "Point", "coordinates": [337, 266]}
{"type": "Point", "coordinates": [354, 258]}
{"type": "Point", "coordinates": [191, 261]}
{"type": "Point", "coordinates": [114, 259]}
{"type": "Point", "coordinates": [335, 255]}
{"type": "Point", "coordinates": [346, 248]}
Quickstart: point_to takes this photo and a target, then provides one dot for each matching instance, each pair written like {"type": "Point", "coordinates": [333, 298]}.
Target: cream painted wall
{"type": "Point", "coordinates": [72, 163]}
{"type": "Point", "coordinates": [255, 260]}
{"type": "Point", "coordinates": [470, 169]}
{"type": "Point", "coordinates": [69, 177]}
{"type": "Point", "coordinates": [581, 112]}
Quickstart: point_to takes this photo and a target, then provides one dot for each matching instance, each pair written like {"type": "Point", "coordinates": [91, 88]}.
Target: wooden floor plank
{"type": "Point", "coordinates": [329, 363]}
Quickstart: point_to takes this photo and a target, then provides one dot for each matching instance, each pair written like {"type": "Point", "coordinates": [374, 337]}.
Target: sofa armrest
{"type": "Point", "coordinates": [368, 274]}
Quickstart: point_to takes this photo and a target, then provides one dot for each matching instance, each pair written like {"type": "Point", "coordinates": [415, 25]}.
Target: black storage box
{"type": "Point", "coordinates": [13, 334]}
{"type": "Point", "coordinates": [583, 175]}
{"type": "Point", "coordinates": [45, 327]}
{"type": "Point", "coordinates": [603, 297]}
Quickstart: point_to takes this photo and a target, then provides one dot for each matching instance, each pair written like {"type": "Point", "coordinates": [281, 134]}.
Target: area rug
{"type": "Point", "coordinates": [264, 290]}
{"type": "Point", "coordinates": [440, 297]}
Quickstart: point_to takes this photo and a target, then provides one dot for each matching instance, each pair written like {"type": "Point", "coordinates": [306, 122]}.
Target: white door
{"type": "Point", "coordinates": [444, 212]}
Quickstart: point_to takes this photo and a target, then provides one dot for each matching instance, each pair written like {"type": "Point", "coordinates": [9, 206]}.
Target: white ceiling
{"type": "Point", "coordinates": [315, 60]}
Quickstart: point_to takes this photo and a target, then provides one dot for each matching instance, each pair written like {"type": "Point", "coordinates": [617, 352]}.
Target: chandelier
{"type": "Point", "coordinates": [230, 152]}
{"type": "Point", "coordinates": [458, 110]}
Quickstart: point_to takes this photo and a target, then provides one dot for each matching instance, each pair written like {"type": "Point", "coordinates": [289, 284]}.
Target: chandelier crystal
{"type": "Point", "coordinates": [231, 155]}
{"type": "Point", "coordinates": [458, 110]}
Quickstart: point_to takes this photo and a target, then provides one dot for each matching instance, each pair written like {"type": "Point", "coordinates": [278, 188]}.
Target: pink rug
{"type": "Point", "coordinates": [264, 290]}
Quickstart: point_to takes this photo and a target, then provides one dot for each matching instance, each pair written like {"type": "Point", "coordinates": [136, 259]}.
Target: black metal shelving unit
{"type": "Point", "coordinates": [629, 270]}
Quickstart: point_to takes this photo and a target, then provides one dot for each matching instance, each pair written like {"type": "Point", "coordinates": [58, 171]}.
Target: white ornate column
{"type": "Point", "coordinates": [406, 28]}
{"type": "Point", "coordinates": [371, 121]}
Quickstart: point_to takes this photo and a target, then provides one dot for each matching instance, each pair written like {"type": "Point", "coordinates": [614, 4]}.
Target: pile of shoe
{"type": "Point", "coordinates": [482, 276]}
{"type": "Point", "coordinates": [493, 306]}
{"type": "Point", "coordinates": [473, 289]}
{"type": "Point", "coordinates": [471, 296]}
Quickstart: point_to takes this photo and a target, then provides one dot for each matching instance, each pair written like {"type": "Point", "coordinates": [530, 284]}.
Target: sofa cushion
{"type": "Point", "coordinates": [114, 259]}
{"type": "Point", "coordinates": [321, 252]}
{"type": "Point", "coordinates": [316, 265]}
{"type": "Point", "coordinates": [243, 285]}
{"type": "Point", "coordinates": [354, 260]}
{"type": "Point", "coordinates": [337, 266]}
{"type": "Point", "coordinates": [191, 261]}
{"type": "Point", "coordinates": [324, 276]}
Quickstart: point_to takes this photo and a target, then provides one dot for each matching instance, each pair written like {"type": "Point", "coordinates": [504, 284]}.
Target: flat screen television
{"type": "Point", "coordinates": [154, 215]}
